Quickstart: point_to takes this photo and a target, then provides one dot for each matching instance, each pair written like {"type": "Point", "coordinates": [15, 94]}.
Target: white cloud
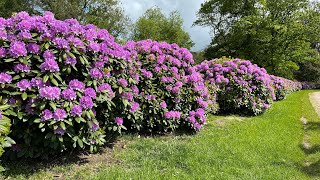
{"type": "Point", "coordinates": [187, 9]}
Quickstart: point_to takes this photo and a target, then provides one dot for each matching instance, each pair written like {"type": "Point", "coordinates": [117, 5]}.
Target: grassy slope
{"type": "Point", "coordinates": [264, 147]}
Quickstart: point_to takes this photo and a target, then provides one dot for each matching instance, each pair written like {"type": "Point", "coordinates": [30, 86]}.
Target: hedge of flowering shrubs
{"type": "Point", "coordinates": [285, 86]}
{"type": "Point", "coordinates": [243, 87]}
{"type": "Point", "coordinates": [69, 86]}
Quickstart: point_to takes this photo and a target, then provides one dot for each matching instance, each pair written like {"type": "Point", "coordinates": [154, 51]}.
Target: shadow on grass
{"type": "Point", "coordinates": [310, 150]}
{"type": "Point", "coordinates": [311, 167]}
{"type": "Point", "coordinates": [312, 126]}
{"type": "Point", "coordinates": [27, 167]}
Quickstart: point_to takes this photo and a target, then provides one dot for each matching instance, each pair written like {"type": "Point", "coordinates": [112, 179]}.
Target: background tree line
{"type": "Point", "coordinates": [110, 15]}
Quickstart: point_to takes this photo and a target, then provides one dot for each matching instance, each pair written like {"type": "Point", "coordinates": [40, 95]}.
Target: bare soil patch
{"type": "Point", "coordinates": [315, 101]}
{"type": "Point", "coordinates": [224, 121]}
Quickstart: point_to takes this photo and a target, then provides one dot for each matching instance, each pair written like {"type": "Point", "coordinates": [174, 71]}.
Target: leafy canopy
{"type": "Point", "coordinates": [153, 24]}
{"type": "Point", "coordinates": [107, 14]}
{"type": "Point", "coordinates": [276, 34]}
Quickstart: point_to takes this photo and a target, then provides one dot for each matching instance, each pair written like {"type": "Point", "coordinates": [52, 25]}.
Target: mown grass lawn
{"type": "Point", "coordinates": [269, 146]}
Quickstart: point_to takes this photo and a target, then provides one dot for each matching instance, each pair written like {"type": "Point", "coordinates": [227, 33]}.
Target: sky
{"type": "Point", "coordinates": [187, 9]}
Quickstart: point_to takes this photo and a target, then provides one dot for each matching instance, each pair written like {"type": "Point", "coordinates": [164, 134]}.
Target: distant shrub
{"type": "Point", "coordinates": [243, 87]}
{"type": "Point", "coordinates": [285, 86]}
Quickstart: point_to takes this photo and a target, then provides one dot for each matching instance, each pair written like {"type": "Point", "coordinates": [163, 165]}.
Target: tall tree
{"type": "Point", "coordinates": [153, 24]}
{"type": "Point", "coordinates": [276, 34]}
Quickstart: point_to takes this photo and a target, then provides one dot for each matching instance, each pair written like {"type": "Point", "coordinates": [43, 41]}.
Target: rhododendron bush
{"type": "Point", "coordinates": [58, 75]}
{"type": "Point", "coordinates": [243, 87]}
{"type": "Point", "coordinates": [170, 93]}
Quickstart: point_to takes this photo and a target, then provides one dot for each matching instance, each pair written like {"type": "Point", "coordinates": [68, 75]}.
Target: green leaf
{"type": "Point", "coordinates": [81, 60]}
{"type": "Point", "coordinates": [94, 83]}
{"type": "Point", "coordinates": [91, 113]}
{"type": "Point", "coordinates": [120, 90]}
{"type": "Point", "coordinates": [34, 34]}
{"type": "Point", "coordinates": [45, 78]}
{"type": "Point", "coordinates": [53, 105]}
{"type": "Point", "coordinates": [89, 83]}
{"type": "Point", "coordinates": [15, 93]}
{"type": "Point", "coordinates": [71, 54]}
{"type": "Point", "coordinates": [75, 50]}
{"type": "Point", "coordinates": [16, 77]}
{"type": "Point", "coordinates": [125, 102]}
{"type": "Point", "coordinates": [75, 138]}
{"type": "Point", "coordinates": [42, 106]}
{"type": "Point", "coordinates": [60, 138]}
{"type": "Point", "coordinates": [46, 46]}
{"type": "Point", "coordinates": [88, 114]}
{"type": "Point", "coordinates": [80, 143]}
{"type": "Point", "coordinates": [24, 96]}
{"type": "Point", "coordinates": [62, 125]}
{"type": "Point", "coordinates": [38, 58]}
{"type": "Point", "coordinates": [75, 68]}
{"type": "Point", "coordinates": [54, 81]}
{"type": "Point", "coordinates": [58, 77]}
{"type": "Point", "coordinates": [4, 107]}
{"type": "Point", "coordinates": [41, 125]}
{"type": "Point", "coordinates": [2, 169]}
{"type": "Point", "coordinates": [11, 112]}
{"type": "Point", "coordinates": [78, 120]}
{"type": "Point", "coordinates": [9, 60]}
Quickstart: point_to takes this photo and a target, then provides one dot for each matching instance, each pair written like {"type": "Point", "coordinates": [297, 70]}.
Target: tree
{"type": "Point", "coordinates": [8, 7]}
{"type": "Point", "coordinates": [106, 14]}
{"type": "Point", "coordinates": [153, 24]}
{"type": "Point", "coordinates": [276, 34]}
{"type": "Point", "coordinates": [198, 56]}
{"type": "Point", "coordinates": [309, 71]}
{"type": "Point", "coordinates": [103, 13]}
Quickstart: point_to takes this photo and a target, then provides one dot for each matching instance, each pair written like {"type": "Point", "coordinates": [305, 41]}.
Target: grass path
{"type": "Point", "coordinates": [269, 146]}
